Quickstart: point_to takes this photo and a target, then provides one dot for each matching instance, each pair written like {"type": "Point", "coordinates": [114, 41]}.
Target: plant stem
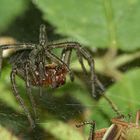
{"type": "Point", "coordinates": [112, 51]}
{"type": "Point", "coordinates": [125, 58]}
{"type": "Point", "coordinates": [111, 24]}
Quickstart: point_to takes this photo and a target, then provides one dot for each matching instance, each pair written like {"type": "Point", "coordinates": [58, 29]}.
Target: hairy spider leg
{"type": "Point", "coordinates": [19, 59]}
{"type": "Point", "coordinates": [81, 62]}
{"type": "Point", "coordinates": [43, 39]}
{"type": "Point", "coordinates": [92, 129]}
{"type": "Point", "coordinates": [84, 53]}
{"type": "Point", "coordinates": [57, 60]}
{"type": "Point", "coordinates": [42, 73]}
{"type": "Point", "coordinates": [35, 58]}
{"type": "Point", "coordinates": [19, 46]}
{"type": "Point", "coordinates": [90, 60]}
{"type": "Point", "coordinates": [32, 74]}
{"type": "Point", "coordinates": [66, 55]}
{"type": "Point", "coordinates": [113, 106]}
{"type": "Point", "coordinates": [28, 88]}
{"type": "Point", "coordinates": [18, 97]}
{"type": "Point", "coordinates": [36, 62]}
{"type": "Point", "coordinates": [39, 62]}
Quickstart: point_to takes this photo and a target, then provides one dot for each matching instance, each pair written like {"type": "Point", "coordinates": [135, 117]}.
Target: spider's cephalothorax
{"type": "Point", "coordinates": [30, 63]}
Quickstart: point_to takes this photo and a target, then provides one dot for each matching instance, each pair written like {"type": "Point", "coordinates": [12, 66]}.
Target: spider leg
{"type": "Point", "coordinates": [82, 52]}
{"type": "Point", "coordinates": [41, 69]}
{"type": "Point", "coordinates": [81, 62]}
{"type": "Point", "coordinates": [28, 88]}
{"type": "Point", "coordinates": [35, 80]}
{"type": "Point", "coordinates": [18, 46]}
{"type": "Point", "coordinates": [37, 62]}
{"type": "Point", "coordinates": [18, 97]}
{"type": "Point", "coordinates": [66, 55]}
{"type": "Point", "coordinates": [113, 106]}
{"type": "Point", "coordinates": [92, 129]}
{"type": "Point", "coordinates": [43, 39]}
{"type": "Point", "coordinates": [57, 60]}
{"type": "Point", "coordinates": [90, 60]}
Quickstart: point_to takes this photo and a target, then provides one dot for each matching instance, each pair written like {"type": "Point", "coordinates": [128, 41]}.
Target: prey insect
{"type": "Point", "coordinates": [38, 66]}
{"type": "Point", "coordinates": [119, 130]}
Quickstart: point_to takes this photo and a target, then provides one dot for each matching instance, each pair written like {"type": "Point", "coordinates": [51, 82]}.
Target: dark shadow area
{"type": "Point", "coordinates": [26, 27]}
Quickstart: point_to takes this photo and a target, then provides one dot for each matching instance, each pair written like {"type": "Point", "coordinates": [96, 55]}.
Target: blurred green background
{"type": "Point", "coordinates": [109, 29]}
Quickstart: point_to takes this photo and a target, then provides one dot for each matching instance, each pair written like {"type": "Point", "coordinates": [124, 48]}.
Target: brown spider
{"type": "Point", "coordinates": [38, 66]}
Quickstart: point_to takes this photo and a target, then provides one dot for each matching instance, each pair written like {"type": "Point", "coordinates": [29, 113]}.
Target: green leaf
{"type": "Point", "coordinates": [77, 19]}
{"type": "Point", "coordinates": [127, 20]}
{"type": "Point", "coordinates": [89, 23]}
{"type": "Point", "coordinates": [61, 130]}
{"type": "Point", "coordinates": [10, 10]}
{"type": "Point", "coordinates": [125, 94]}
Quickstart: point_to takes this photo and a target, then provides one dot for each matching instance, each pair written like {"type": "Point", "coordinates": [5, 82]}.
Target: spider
{"type": "Point", "coordinates": [38, 66]}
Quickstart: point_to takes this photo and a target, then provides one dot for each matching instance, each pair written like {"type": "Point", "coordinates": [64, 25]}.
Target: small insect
{"type": "Point", "coordinates": [119, 130]}
{"type": "Point", "coordinates": [38, 66]}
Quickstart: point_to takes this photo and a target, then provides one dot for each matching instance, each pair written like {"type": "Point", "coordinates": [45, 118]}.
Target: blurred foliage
{"type": "Point", "coordinates": [6, 135]}
{"type": "Point", "coordinates": [10, 10]}
{"type": "Point", "coordinates": [133, 134]}
{"type": "Point", "coordinates": [110, 31]}
{"type": "Point", "coordinates": [99, 21]}
{"type": "Point", "coordinates": [125, 94]}
{"type": "Point", "coordinates": [65, 132]}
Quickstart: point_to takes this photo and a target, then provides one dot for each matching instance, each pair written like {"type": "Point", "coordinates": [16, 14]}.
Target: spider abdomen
{"type": "Point", "coordinates": [54, 76]}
